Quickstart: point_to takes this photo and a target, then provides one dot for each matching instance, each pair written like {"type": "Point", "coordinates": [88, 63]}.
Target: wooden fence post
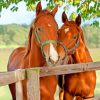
{"type": "Point", "coordinates": [33, 85]}
{"type": "Point", "coordinates": [19, 90]}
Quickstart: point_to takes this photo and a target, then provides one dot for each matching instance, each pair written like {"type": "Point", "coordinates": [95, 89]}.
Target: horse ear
{"type": "Point", "coordinates": [38, 8]}
{"type": "Point", "coordinates": [64, 17]}
{"type": "Point", "coordinates": [78, 20]}
{"type": "Point", "coordinates": [53, 12]}
{"type": "Point", "coordinates": [29, 38]}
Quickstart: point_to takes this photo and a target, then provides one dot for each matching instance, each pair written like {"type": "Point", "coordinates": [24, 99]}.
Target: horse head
{"type": "Point", "coordinates": [71, 43]}
{"type": "Point", "coordinates": [43, 33]}
{"type": "Point", "coordinates": [69, 36]}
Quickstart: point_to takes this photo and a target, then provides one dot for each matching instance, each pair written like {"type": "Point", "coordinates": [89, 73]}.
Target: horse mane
{"type": "Point", "coordinates": [29, 42]}
{"type": "Point", "coordinates": [43, 13]}
{"type": "Point", "coordinates": [82, 36]}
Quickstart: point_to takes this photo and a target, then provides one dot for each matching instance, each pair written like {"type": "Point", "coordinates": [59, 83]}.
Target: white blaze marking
{"type": "Point", "coordinates": [66, 30]}
{"type": "Point", "coordinates": [74, 98]}
{"type": "Point", "coordinates": [49, 25]}
{"type": "Point", "coordinates": [53, 53]}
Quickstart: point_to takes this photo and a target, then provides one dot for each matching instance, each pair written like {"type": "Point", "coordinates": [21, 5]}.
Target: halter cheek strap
{"type": "Point", "coordinates": [42, 44]}
{"type": "Point", "coordinates": [36, 35]}
{"type": "Point", "coordinates": [75, 46]}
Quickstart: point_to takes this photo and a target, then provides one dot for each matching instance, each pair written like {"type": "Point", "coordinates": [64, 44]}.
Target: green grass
{"type": "Point", "coordinates": [4, 55]}
{"type": "Point", "coordinates": [96, 57]}
{"type": "Point", "coordinates": [95, 53]}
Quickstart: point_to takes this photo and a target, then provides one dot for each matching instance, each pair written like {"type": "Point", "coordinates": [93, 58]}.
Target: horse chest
{"type": "Point", "coordinates": [77, 84]}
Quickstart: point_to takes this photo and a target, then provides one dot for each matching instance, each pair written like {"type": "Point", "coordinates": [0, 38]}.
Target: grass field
{"type": "Point", "coordinates": [4, 55]}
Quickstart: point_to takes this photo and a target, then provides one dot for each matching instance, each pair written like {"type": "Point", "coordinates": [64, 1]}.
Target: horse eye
{"type": "Point", "coordinates": [38, 29]}
{"type": "Point", "coordinates": [74, 37]}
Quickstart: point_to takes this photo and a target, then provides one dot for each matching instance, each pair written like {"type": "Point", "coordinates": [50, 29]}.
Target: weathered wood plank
{"type": "Point", "coordinates": [68, 69]}
{"type": "Point", "coordinates": [19, 91]}
{"type": "Point", "coordinates": [33, 75]}
{"type": "Point", "coordinates": [94, 98]}
{"type": "Point", "coordinates": [12, 77]}
{"type": "Point", "coordinates": [33, 85]}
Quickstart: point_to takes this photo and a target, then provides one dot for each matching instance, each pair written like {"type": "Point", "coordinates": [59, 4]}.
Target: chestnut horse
{"type": "Point", "coordinates": [82, 84]}
{"type": "Point", "coordinates": [41, 50]}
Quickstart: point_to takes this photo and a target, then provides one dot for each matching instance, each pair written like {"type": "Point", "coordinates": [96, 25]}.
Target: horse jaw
{"type": "Point", "coordinates": [53, 53]}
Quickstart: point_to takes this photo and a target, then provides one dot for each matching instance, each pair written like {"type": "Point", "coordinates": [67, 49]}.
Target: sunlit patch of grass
{"type": "Point", "coordinates": [97, 90]}
{"type": "Point", "coordinates": [95, 53]}
{"type": "Point", "coordinates": [4, 56]}
{"type": "Point", "coordinates": [5, 93]}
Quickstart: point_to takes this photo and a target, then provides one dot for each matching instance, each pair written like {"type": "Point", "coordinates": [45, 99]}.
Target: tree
{"type": "Point", "coordinates": [88, 9]}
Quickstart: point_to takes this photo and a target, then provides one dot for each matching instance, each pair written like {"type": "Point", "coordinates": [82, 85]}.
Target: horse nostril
{"type": "Point", "coordinates": [74, 37]}
{"type": "Point", "coordinates": [51, 60]}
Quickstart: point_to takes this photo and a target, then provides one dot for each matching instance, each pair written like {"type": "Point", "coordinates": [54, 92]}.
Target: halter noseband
{"type": "Point", "coordinates": [72, 49]}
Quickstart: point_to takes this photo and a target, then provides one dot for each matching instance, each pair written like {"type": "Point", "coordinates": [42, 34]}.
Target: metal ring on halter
{"type": "Point", "coordinates": [63, 45]}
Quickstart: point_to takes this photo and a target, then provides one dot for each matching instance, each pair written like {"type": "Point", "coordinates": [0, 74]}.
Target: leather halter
{"type": "Point", "coordinates": [44, 42]}
{"type": "Point", "coordinates": [72, 49]}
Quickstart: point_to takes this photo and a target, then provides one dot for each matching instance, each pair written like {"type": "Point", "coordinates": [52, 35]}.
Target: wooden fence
{"type": "Point", "coordinates": [32, 75]}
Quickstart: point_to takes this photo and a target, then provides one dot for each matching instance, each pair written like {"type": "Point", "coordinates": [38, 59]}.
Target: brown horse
{"type": "Point", "coordinates": [82, 84]}
{"type": "Point", "coordinates": [41, 49]}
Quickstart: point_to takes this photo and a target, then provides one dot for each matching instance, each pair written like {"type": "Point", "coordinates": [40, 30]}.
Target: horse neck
{"type": "Point", "coordinates": [81, 34]}
{"type": "Point", "coordinates": [82, 54]}
{"type": "Point", "coordinates": [35, 56]}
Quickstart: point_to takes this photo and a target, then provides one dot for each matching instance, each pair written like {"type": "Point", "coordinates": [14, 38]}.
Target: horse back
{"type": "Point", "coordinates": [16, 59]}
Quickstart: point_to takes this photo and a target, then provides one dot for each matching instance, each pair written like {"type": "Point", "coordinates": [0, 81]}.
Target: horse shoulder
{"type": "Point", "coordinates": [16, 58]}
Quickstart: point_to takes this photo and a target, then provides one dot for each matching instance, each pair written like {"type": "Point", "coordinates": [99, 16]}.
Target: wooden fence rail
{"type": "Point", "coordinates": [32, 75]}
{"type": "Point", "coordinates": [12, 77]}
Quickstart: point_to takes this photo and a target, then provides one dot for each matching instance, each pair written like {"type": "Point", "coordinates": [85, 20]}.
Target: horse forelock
{"type": "Point", "coordinates": [73, 24]}
{"type": "Point", "coordinates": [42, 13]}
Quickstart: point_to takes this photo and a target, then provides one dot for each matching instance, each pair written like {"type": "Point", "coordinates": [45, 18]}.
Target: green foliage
{"type": "Point", "coordinates": [87, 8]}
{"type": "Point", "coordinates": [73, 16]}
{"type": "Point", "coordinates": [14, 8]}
{"type": "Point", "coordinates": [95, 23]}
